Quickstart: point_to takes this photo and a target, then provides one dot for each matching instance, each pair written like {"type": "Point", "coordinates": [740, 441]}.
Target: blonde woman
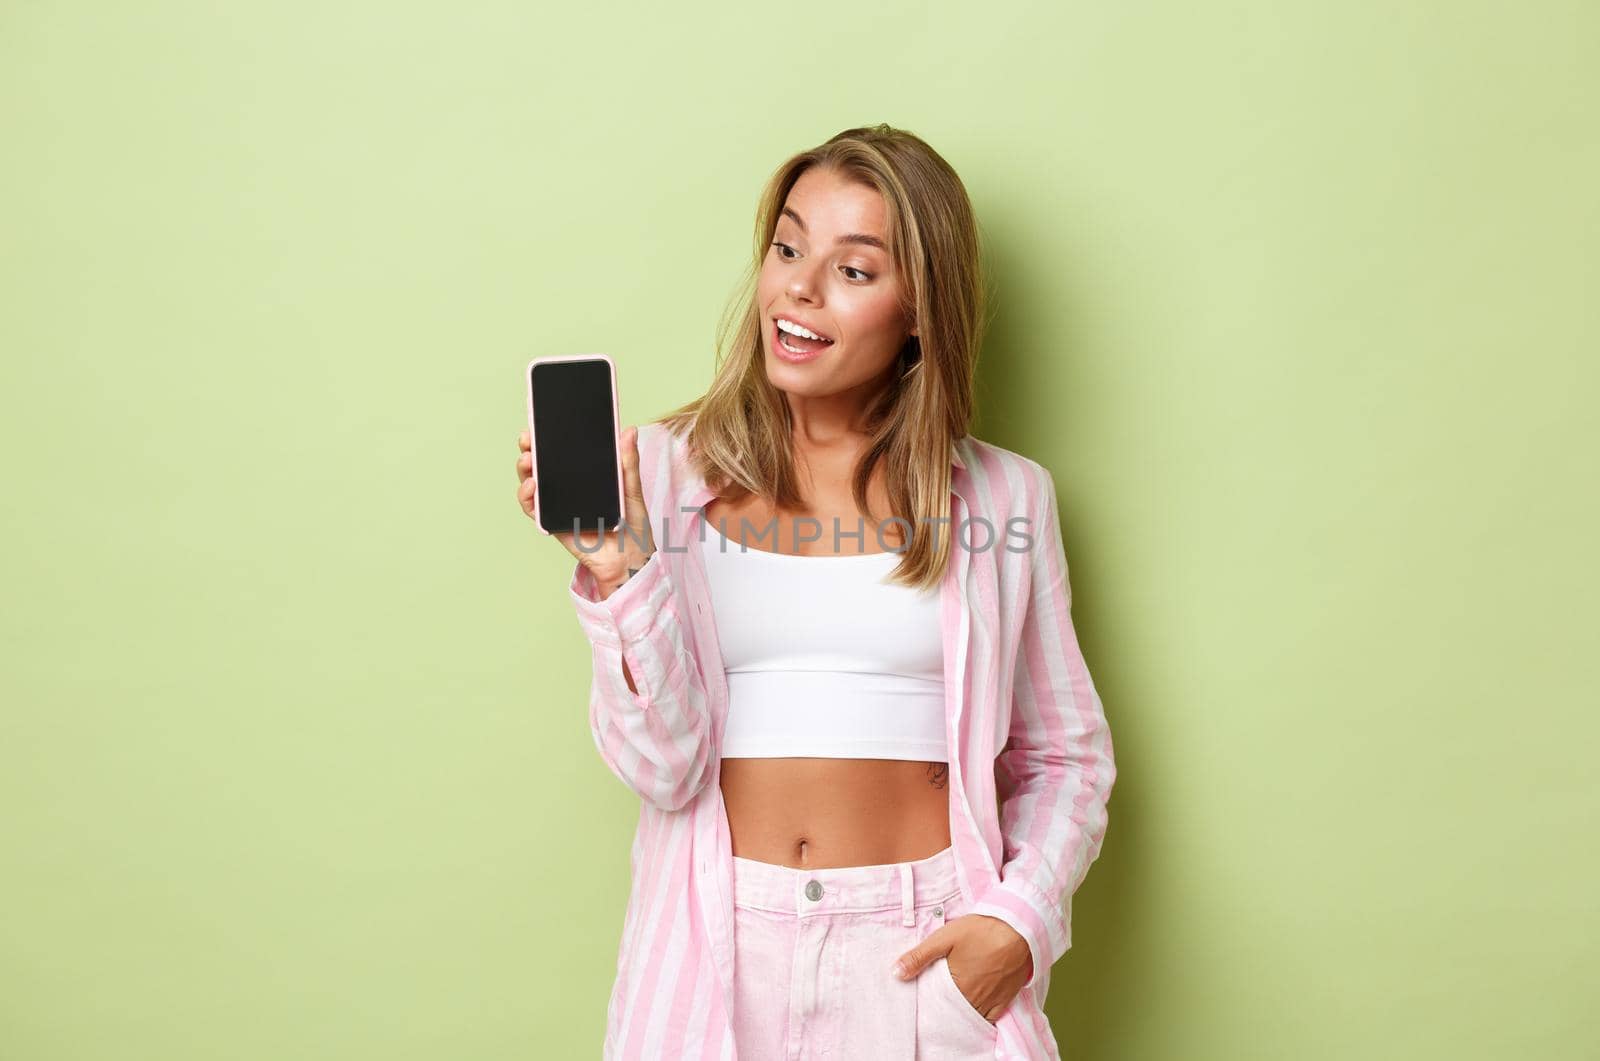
{"type": "Point", "coordinates": [833, 655]}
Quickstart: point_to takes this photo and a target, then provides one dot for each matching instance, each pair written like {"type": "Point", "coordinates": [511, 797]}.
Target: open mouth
{"type": "Point", "coordinates": [798, 339]}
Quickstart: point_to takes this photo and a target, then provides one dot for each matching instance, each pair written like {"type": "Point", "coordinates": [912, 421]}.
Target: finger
{"type": "Point", "coordinates": [933, 946]}
{"type": "Point", "coordinates": [524, 465]}
{"type": "Point", "coordinates": [523, 442]}
{"type": "Point", "coordinates": [525, 491]}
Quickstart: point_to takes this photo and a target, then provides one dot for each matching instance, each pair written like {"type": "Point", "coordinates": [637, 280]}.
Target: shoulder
{"type": "Point", "coordinates": [660, 444]}
{"type": "Point", "coordinates": [998, 454]}
{"type": "Point", "coordinates": [1015, 479]}
{"type": "Point", "coordinates": [663, 461]}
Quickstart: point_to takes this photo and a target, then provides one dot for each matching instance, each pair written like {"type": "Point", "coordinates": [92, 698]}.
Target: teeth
{"type": "Point", "coordinates": [795, 329]}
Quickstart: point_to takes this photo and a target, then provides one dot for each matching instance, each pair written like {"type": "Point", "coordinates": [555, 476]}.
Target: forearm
{"type": "Point", "coordinates": [648, 706]}
{"type": "Point", "coordinates": [604, 590]}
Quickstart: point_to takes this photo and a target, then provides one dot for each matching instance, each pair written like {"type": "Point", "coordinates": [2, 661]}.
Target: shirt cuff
{"type": "Point", "coordinates": [625, 615]}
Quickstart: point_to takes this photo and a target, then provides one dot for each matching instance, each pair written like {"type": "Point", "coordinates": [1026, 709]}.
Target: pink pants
{"type": "Point", "coordinates": [812, 955]}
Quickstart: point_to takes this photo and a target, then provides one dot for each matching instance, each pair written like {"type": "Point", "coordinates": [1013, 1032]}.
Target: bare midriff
{"type": "Point", "coordinates": [814, 812]}
{"type": "Point", "coordinates": [818, 813]}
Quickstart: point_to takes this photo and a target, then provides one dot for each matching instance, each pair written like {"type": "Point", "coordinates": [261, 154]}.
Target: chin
{"type": "Point", "coordinates": [803, 380]}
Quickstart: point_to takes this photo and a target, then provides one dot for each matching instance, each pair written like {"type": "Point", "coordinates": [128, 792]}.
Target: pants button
{"type": "Point", "coordinates": [813, 890]}
{"type": "Point", "coordinates": [938, 911]}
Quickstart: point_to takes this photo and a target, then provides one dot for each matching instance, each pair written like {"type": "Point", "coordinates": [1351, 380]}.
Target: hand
{"type": "Point", "coordinates": [994, 960]}
{"type": "Point", "coordinates": [614, 561]}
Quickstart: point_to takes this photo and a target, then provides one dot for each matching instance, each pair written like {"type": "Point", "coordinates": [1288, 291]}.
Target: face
{"type": "Point", "coordinates": [823, 273]}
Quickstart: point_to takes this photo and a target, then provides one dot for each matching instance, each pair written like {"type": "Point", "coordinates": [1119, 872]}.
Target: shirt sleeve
{"type": "Point", "coordinates": [656, 740]}
{"type": "Point", "coordinates": [1056, 770]}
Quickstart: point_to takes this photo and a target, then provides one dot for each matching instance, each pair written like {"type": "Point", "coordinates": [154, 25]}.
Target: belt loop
{"type": "Point", "coordinates": [908, 916]}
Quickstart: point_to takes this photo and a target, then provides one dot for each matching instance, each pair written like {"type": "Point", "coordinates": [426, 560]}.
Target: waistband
{"type": "Point", "coordinates": [903, 886]}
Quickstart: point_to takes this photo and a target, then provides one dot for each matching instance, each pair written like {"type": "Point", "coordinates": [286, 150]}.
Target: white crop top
{"type": "Point", "coordinates": [823, 657]}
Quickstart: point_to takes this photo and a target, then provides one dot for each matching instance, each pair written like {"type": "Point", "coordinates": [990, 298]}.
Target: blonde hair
{"type": "Point", "coordinates": [739, 430]}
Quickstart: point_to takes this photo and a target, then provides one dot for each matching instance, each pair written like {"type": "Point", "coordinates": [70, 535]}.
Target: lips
{"type": "Point", "coordinates": [804, 350]}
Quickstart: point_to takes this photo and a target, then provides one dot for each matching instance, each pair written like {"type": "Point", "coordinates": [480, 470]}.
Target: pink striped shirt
{"type": "Point", "coordinates": [1030, 766]}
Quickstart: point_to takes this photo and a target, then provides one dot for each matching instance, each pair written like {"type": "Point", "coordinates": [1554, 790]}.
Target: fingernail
{"type": "Point", "coordinates": [900, 969]}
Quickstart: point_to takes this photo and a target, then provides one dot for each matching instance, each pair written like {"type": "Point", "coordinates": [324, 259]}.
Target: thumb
{"type": "Point", "coordinates": [634, 513]}
{"type": "Point", "coordinates": [911, 963]}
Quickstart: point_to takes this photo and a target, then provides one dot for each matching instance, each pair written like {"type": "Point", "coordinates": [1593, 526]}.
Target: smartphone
{"type": "Point", "coordinates": [572, 430]}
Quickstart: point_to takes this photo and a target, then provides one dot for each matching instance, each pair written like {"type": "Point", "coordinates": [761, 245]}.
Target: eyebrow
{"type": "Point", "coordinates": [848, 237]}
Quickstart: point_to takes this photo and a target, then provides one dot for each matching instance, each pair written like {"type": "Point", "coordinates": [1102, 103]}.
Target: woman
{"type": "Point", "coordinates": [857, 735]}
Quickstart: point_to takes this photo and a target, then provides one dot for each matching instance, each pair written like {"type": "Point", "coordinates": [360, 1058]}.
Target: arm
{"type": "Point", "coordinates": [1056, 768]}
{"type": "Point", "coordinates": [648, 709]}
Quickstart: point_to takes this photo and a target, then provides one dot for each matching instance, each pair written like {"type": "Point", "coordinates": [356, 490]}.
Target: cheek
{"type": "Point", "coordinates": [772, 273]}
{"type": "Point", "coordinates": [768, 287]}
{"type": "Point", "coordinates": [877, 315]}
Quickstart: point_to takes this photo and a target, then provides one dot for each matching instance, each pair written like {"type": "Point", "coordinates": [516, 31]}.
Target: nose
{"type": "Point", "coordinates": [802, 284]}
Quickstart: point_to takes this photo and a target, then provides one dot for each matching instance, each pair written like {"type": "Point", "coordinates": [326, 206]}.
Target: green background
{"type": "Point", "coordinates": [1297, 302]}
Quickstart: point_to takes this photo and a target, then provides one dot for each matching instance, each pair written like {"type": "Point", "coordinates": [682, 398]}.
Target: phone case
{"type": "Point", "coordinates": [533, 436]}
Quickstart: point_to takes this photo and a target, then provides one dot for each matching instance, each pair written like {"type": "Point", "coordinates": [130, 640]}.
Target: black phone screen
{"type": "Point", "coordinates": [575, 445]}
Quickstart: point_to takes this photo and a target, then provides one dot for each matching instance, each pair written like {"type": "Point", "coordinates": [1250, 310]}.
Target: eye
{"type": "Point", "coordinates": [781, 248]}
{"type": "Point", "coordinates": [853, 269]}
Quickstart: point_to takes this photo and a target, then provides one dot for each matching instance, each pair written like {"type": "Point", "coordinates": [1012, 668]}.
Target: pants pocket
{"type": "Point", "coordinates": [948, 1026]}
{"type": "Point", "coordinates": [958, 998]}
